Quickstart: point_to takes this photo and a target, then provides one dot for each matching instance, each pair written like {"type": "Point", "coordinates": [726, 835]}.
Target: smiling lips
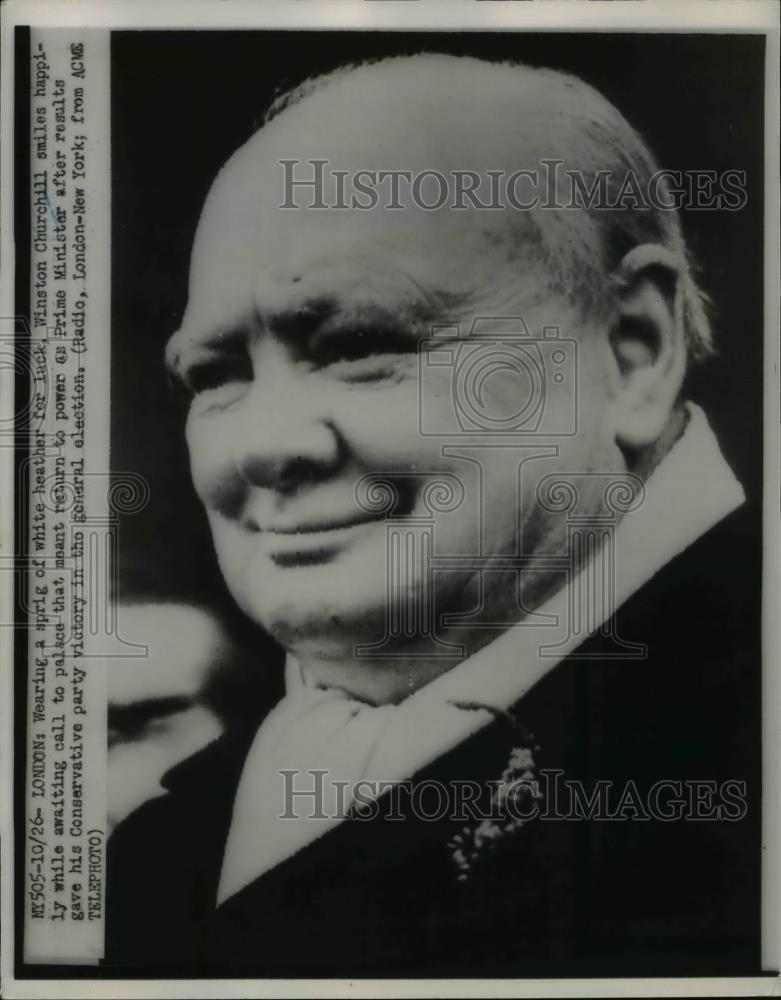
{"type": "Point", "coordinates": [312, 542]}
{"type": "Point", "coordinates": [318, 527]}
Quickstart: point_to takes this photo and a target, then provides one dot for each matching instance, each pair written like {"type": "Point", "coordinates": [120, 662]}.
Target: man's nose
{"type": "Point", "coordinates": [285, 439]}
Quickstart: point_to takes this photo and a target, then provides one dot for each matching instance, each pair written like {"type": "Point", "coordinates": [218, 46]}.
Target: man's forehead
{"type": "Point", "coordinates": [246, 265]}
{"type": "Point", "coordinates": [243, 228]}
{"type": "Point", "coordinates": [245, 239]}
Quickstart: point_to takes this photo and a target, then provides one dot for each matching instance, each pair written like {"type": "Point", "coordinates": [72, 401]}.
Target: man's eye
{"type": "Point", "coordinates": [356, 345]}
{"type": "Point", "coordinates": [214, 373]}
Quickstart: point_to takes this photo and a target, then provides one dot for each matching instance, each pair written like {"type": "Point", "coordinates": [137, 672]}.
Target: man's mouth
{"type": "Point", "coordinates": [308, 543]}
{"type": "Point", "coordinates": [317, 526]}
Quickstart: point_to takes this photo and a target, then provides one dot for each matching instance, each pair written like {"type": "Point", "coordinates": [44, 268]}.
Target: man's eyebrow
{"type": "Point", "coordinates": [329, 315]}
{"type": "Point", "coordinates": [300, 321]}
{"type": "Point", "coordinates": [417, 317]}
{"type": "Point", "coordinates": [328, 312]}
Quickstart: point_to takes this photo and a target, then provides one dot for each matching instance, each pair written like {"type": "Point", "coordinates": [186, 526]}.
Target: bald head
{"type": "Point", "coordinates": [358, 126]}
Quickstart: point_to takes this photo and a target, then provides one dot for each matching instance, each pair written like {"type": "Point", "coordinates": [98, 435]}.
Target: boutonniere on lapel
{"type": "Point", "coordinates": [513, 803]}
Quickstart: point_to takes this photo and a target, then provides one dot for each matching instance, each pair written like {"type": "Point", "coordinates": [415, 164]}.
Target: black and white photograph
{"type": "Point", "coordinates": [395, 502]}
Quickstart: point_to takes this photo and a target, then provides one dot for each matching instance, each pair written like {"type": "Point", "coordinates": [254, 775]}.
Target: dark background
{"type": "Point", "coordinates": [182, 102]}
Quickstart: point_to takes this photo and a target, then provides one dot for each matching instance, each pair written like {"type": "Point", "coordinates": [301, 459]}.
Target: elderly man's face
{"type": "Point", "coordinates": [301, 346]}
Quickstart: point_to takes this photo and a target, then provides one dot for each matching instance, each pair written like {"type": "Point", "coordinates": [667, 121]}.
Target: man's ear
{"type": "Point", "coordinates": [648, 345]}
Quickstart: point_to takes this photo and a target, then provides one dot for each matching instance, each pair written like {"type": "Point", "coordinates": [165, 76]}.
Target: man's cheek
{"type": "Point", "coordinates": [214, 474]}
{"type": "Point", "coordinates": [233, 553]}
{"type": "Point", "coordinates": [381, 425]}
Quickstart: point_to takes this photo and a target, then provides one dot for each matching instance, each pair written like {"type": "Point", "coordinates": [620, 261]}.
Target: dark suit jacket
{"type": "Point", "coordinates": [553, 897]}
